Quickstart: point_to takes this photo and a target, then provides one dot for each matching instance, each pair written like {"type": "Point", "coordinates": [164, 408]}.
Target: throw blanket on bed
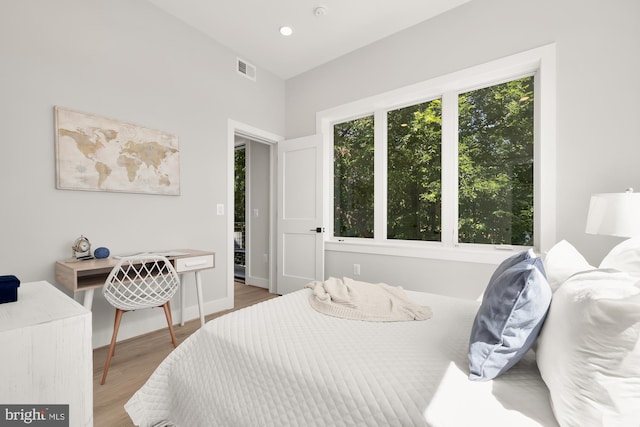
{"type": "Point", "coordinates": [376, 302]}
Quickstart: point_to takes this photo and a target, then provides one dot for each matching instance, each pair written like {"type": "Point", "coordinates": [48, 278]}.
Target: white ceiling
{"type": "Point", "coordinates": [250, 27]}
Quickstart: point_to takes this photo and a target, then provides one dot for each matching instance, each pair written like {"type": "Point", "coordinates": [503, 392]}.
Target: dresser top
{"type": "Point", "coordinates": [38, 303]}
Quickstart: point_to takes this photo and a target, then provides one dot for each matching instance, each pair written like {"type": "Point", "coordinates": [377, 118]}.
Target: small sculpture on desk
{"type": "Point", "coordinates": [81, 248]}
{"type": "Point", "coordinates": [101, 253]}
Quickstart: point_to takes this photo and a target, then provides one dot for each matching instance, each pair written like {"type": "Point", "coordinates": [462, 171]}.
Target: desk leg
{"type": "Point", "coordinates": [200, 301]}
{"type": "Point", "coordinates": [88, 299]}
{"type": "Point", "coordinates": [183, 298]}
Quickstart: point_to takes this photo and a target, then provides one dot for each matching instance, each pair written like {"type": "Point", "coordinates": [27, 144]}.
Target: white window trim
{"type": "Point", "coordinates": [540, 62]}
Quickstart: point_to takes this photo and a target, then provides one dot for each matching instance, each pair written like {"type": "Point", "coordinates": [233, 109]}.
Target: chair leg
{"type": "Point", "coordinates": [112, 347]}
{"type": "Point", "coordinates": [167, 313]}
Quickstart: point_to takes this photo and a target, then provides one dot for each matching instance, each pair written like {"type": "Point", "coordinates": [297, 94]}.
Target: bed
{"type": "Point", "coordinates": [282, 363]}
{"type": "Point", "coordinates": [286, 362]}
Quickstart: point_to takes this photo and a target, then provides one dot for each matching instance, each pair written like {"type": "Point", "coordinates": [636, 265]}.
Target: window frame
{"type": "Point", "coordinates": [538, 62]}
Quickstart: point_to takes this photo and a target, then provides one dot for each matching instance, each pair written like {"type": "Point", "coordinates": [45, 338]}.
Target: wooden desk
{"type": "Point", "coordinates": [87, 275]}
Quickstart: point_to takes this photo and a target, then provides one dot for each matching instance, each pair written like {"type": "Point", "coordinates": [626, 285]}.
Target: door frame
{"type": "Point", "coordinates": [250, 132]}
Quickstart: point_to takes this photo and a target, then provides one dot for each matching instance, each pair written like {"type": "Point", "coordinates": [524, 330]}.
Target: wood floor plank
{"type": "Point", "coordinates": [135, 360]}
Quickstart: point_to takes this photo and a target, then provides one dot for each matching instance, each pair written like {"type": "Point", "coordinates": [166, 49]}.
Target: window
{"type": "Point", "coordinates": [353, 178]}
{"type": "Point", "coordinates": [495, 164]}
{"type": "Point", "coordinates": [454, 162]}
{"type": "Point", "coordinates": [414, 136]}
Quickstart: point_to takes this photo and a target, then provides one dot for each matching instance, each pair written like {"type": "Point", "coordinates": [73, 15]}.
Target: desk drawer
{"type": "Point", "coordinates": [194, 263]}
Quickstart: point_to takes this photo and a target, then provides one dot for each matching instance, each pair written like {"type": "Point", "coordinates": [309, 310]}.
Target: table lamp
{"type": "Point", "coordinates": [614, 214]}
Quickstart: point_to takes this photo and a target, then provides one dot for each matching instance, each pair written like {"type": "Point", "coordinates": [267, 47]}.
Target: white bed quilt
{"type": "Point", "coordinates": [280, 363]}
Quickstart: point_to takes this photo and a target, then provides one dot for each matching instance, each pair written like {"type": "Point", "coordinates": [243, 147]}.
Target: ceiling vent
{"type": "Point", "coordinates": [246, 69]}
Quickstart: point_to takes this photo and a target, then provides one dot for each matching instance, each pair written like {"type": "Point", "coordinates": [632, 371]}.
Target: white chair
{"type": "Point", "coordinates": [139, 282]}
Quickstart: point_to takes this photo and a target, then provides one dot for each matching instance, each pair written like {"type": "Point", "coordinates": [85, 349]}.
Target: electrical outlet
{"type": "Point", "coordinates": [356, 269]}
{"type": "Point", "coordinates": [220, 208]}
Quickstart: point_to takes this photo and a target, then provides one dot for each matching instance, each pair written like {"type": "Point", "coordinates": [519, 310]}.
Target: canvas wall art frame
{"type": "Point", "coordinates": [96, 153]}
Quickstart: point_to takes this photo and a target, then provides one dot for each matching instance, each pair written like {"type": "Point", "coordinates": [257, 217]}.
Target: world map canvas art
{"type": "Point", "coordinates": [99, 154]}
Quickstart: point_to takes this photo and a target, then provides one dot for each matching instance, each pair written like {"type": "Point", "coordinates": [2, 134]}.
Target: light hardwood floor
{"type": "Point", "coordinates": [135, 360]}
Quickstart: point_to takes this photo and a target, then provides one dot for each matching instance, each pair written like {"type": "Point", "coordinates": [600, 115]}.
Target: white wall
{"type": "Point", "coordinates": [127, 60]}
{"type": "Point", "coordinates": [597, 108]}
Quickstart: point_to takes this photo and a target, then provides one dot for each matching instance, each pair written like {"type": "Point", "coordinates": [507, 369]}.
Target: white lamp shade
{"type": "Point", "coordinates": [614, 214]}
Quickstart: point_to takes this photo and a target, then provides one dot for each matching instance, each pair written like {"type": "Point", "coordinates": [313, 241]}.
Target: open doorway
{"type": "Point", "coordinates": [252, 211]}
{"type": "Point", "coordinates": [239, 133]}
{"type": "Point", "coordinates": [239, 210]}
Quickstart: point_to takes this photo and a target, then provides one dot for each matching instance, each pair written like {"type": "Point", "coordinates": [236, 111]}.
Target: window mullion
{"type": "Point", "coordinates": [450, 169]}
{"type": "Point", "coordinates": [380, 176]}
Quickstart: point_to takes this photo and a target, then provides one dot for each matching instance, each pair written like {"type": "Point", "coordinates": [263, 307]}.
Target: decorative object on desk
{"type": "Point", "coordinates": [101, 252]}
{"type": "Point", "coordinates": [9, 288]}
{"type": "Point", "coordinates": [614, 214]}
{"type": "Point", "coordinates": [81, 248]}
{"type": "Point", "coordinates": [99, 154]}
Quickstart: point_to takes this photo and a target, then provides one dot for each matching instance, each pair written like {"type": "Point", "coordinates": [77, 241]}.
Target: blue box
{"type": "Point", "coordinates": [9, 289]}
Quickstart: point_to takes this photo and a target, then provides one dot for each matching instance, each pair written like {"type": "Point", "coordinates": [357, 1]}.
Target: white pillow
{"type": "Point", "coordinates": [561, 262]}
{"type": "Point", "coordinates": [589, 350]}
{"type": "Point", "coordinates": [624, 257]}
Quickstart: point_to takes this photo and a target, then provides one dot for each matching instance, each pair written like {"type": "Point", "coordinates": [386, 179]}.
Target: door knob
{"type": "Point", "coordinates": [318, 229]}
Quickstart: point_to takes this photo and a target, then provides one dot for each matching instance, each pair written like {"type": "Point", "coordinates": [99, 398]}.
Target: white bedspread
{"type": "Point", "coordinates": [281, 363]}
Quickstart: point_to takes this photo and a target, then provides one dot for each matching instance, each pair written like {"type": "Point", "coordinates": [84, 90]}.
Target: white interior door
{"type": "Point", "coordinates": [300, 214]}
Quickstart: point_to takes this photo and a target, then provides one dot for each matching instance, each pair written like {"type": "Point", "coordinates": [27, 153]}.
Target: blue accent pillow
{"type": "Point", "coordinates": [508, 263]}
{"type": "Point", "coordinates": [510, 316]}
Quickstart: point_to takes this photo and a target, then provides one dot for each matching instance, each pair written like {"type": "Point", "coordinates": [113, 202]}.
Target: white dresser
{"type": "Point", "coordinates": [46, 355]}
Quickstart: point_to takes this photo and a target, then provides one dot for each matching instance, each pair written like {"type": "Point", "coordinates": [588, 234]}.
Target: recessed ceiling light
{"type": "Point", "coordinates": [286, 31]}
